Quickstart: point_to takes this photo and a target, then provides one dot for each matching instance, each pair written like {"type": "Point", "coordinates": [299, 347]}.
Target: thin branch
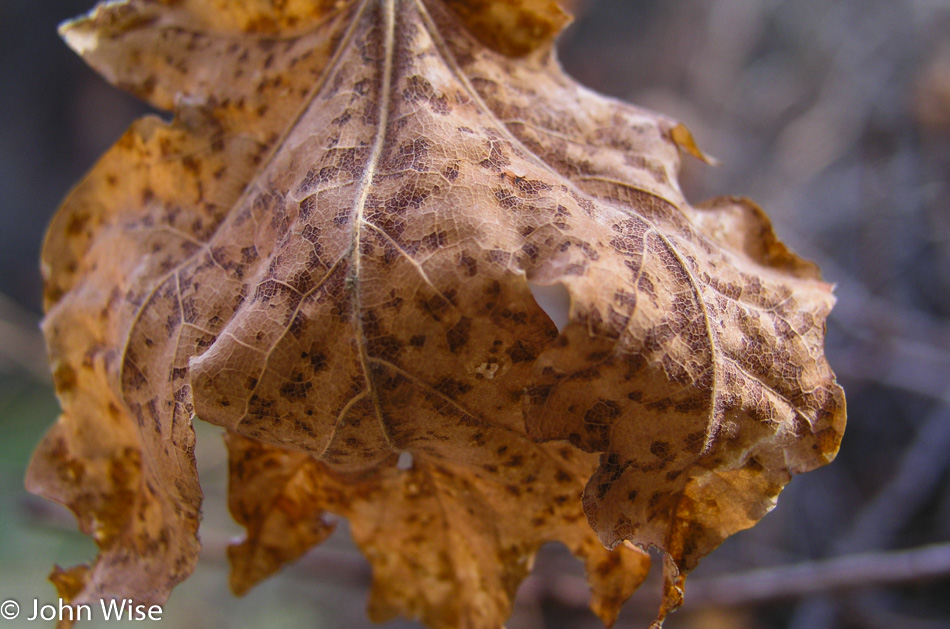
{"type": "Point", "coordinates": [872, 611]}
{"type": "Point", "coordinates": [919, 473]}
{"type": "Point", "coordinates": [820, 577]}
{"type": "Point", "coordinates": [21, 343]}
{"type": "Point", "coordinates": [898, 364]}
{"type": "Point", "coordinates": [765, 585]}
{"type": "Point", "coordinates": [343, 564]}
{"type": "Point", "coordinates": [921, 469]}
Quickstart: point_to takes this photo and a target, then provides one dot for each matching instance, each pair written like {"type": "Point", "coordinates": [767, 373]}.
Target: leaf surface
{"type": "Point", "coordinates": [330, 253]}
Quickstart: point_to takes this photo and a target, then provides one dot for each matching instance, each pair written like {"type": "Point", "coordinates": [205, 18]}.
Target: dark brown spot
{"type": "Point", "coordinates": [458, 335]}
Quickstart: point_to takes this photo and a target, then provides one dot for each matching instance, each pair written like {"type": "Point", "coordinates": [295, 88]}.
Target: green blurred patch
{"type": "Point", "coordinates": [32, 535]}
{"type": "Point", "coordinates": [36, 533]}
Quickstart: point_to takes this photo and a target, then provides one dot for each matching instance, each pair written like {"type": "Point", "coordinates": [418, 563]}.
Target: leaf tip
{"type": "Point", "coordinates": [80, 39]}
{"type": "Point", "coordinates": [69, 582]}
{"type": "Point", "coordinates": [82, 33]}
{"type": "Point", "coordinates": [684, 140]}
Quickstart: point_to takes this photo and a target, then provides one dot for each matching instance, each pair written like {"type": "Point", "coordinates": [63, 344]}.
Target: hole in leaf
{"type": "Point", "coordinates": [555, 301]}
{"type": "Point", "coordinates": [405, 461]}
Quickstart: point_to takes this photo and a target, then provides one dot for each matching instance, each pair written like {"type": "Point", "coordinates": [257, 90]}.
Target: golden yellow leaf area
{"type": "Point", "coordinates": [448, 540]}
{"type": "Point", "coordinates": [330, 252]}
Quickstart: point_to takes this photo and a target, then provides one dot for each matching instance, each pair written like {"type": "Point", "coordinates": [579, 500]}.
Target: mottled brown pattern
{"type": "Point", "coordinates": [328, 252]}
{"type": "Point", "coordinates": [512, 27]}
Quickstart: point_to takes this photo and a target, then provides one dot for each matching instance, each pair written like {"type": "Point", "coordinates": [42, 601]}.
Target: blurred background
{"type": "Point", "coordinates": [834, 115]}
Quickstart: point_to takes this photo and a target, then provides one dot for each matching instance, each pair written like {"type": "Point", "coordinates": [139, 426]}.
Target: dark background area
{"type": "Point", "coordinates": [834, 115]}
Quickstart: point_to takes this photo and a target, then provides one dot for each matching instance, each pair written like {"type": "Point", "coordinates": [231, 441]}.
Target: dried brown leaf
{"type": "Point", "coordinates": [328, 252]}
{"type": "Point", "coordinates": [448, 539]}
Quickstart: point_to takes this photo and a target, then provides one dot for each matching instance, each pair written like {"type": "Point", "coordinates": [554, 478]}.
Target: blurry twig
{"type": "Point", "coordinates": [21, 343]}
{"type": "Point", "coordinates": [873, 612]}
{"type": "Point", "coordinates": [897, 346]}
{"type": "Point", "coordinates": [344, 565]}
{"type": "Point", "coordinates": [814, 577]}
{"type": "Point", "coordinates": [862, 312]}
{"type": "Point", "coordinates": [865, 315]}
{"type": "Point", "coordinates": [763, 585]}
{"type": "Point", "coordinates": [918, 475]}
{"type": "Point", "coordinates": [921, 469]}
{"type": "Point", "coordinates": [901, 348]}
